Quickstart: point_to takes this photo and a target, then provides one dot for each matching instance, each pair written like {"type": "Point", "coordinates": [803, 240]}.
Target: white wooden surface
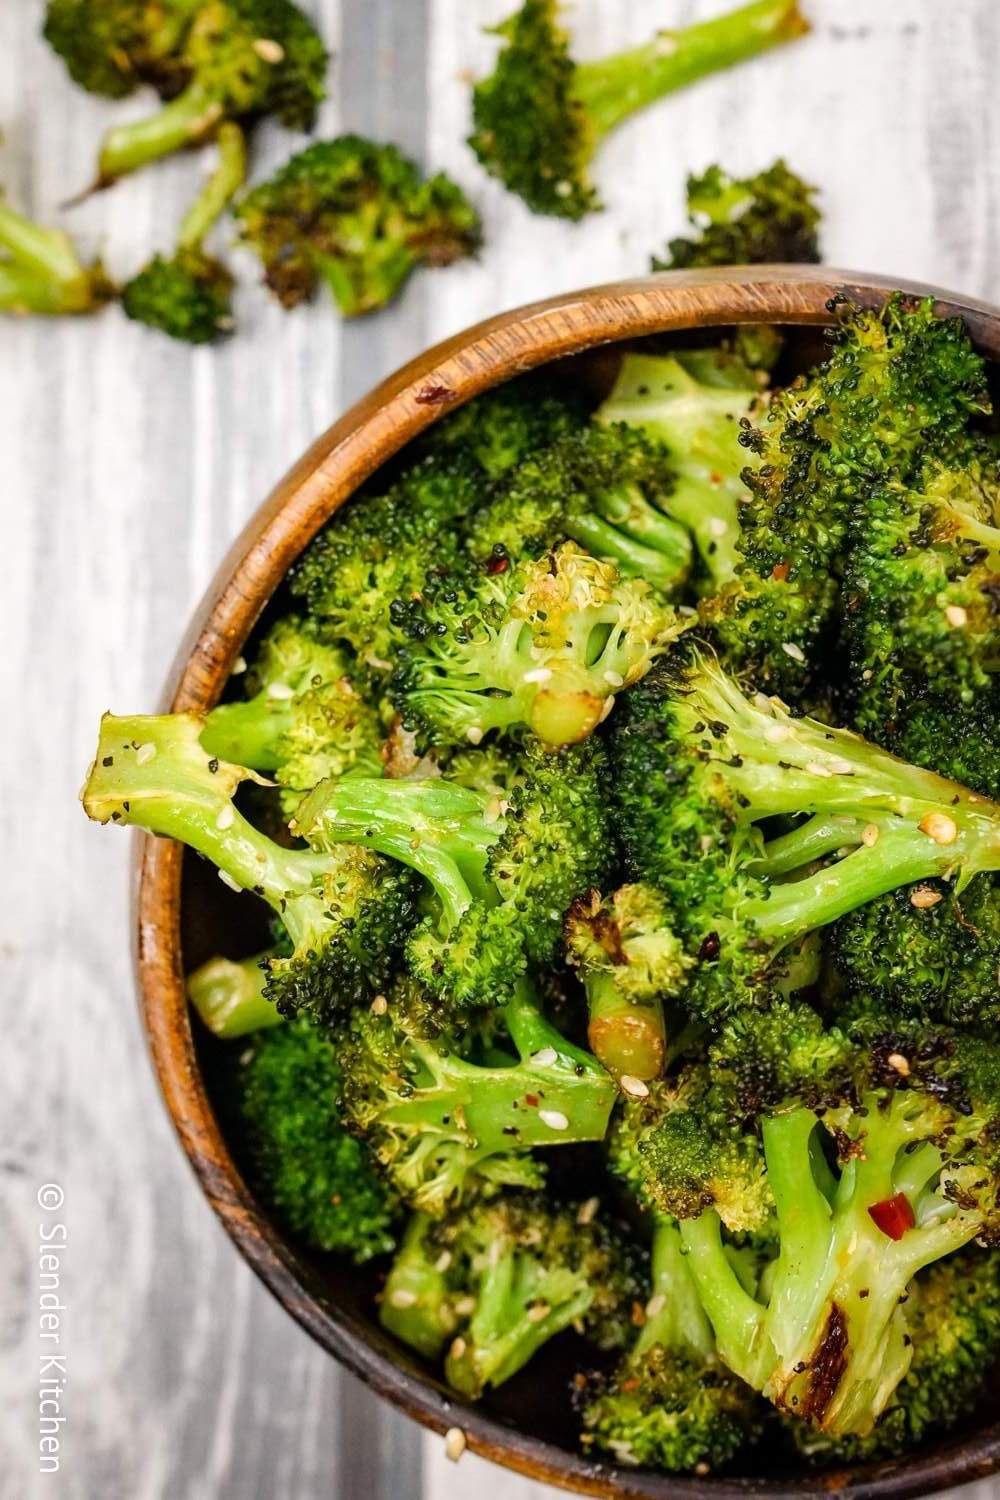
{"type": "Point", "coordinates": [126, 465]}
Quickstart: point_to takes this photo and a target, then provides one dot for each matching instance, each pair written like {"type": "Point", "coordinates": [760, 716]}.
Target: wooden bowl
{"type": "Point", "coordinates": [332, 1301]}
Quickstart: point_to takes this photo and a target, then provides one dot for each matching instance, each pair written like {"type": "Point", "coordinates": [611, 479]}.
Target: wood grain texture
{"type": "Point", "coordinates": [126, 466]}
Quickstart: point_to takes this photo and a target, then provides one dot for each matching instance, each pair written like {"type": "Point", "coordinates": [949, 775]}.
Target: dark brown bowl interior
{"type": "Point", "coordinates": [527, 1425]}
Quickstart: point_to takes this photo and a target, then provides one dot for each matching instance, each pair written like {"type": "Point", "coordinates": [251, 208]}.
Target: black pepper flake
{"type": "Point", "coordinates": [108, 760]}
{"type": "Point", "coordinates": [213, 764]}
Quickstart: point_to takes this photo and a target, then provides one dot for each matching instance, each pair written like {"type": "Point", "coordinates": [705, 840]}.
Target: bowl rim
{"type": "Point", "coordinates": [370, 432]}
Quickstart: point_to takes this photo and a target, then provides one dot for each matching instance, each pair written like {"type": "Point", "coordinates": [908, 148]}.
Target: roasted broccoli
{"type": "Point", "coordinates": [347, 912]}
{"type": "Point", "coordinates": [212, 60]}
{"type": "Point", "coordinates": [315, 1176]}
{"type": "Point", "coordinates": [671, 1403]}
{"type": "Point", "coordinates": [749, 221]}
{"type": "Point", "coordinates": [540, 117]}
{"type": "Point", "coordinates": [357, 216]}
{"type": "Point", "coordinates": [189, 294]}
{"type": "Point", "coordinates": [41, 272]}
{"type": "Point", "coordinates": [229, 995]}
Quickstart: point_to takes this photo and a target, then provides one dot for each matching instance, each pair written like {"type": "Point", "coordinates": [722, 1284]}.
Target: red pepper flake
{"type": "Point", "coordinates": [434, 394]}
{"type": "Point", "coordinates": [497, 565]}
{"type": "Point", "coordinates": [894, 1216]}
{"type": "Point", "coordinates": [531, 1099]}
{"type": "Point", "coordinates": [780, 572]}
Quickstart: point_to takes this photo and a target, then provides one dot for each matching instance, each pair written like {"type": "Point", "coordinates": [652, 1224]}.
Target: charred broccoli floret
{"type": "Point", "coordinates": [671, 1403]}
{"type": "Point", "coordinates": [41, 271]}
{"type": "Point", "coordinates": [747, 221]}
{"type": "Point", "coordinates": [347, 912]}
{"type": "Point", "coordinates": [693, 402]}
{"type": "Point", "coordinates": [544, 645]}
{"type": "Point", "coordinates": [540, 117]}
{"type": "Point", "coordinates": [502, 870]}
{"type": "Point", "coordinates": [700, 767]}
{"type": "Point", "coordinates": [357, 216]}
{"type": "Point", "coordinates": [189, 294]}
{"type": "Point", "coordinates": [315, 1176]}
{"type": "Point", "coordinates": [110, 46]}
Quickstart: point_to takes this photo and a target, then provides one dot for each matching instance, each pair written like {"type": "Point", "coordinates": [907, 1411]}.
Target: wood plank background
{"type": "Point", "coordinates": [126, 464]}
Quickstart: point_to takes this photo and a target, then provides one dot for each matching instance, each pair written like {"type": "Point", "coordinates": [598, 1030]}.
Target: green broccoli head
{"type": "Point", "coordinates": [357, 216]}
{"type": "Point", "coordinates": [750, 221]}
{"type": "Point", "coordinates": [187, 296]}
{"type": "Point", "coordinates": [109, 48]}
{"type": "Point", "coordinates": [506, 425]}
{"type": "Point", "coordinates": [540, 117]}
{"type": "Point", "coordinates": [316, 1177]}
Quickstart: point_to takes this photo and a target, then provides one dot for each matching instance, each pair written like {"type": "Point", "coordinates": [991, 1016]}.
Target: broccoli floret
{"type": "Point", "coordinates": [500, 428]}
{"type": "Point", "coordinates": [41, 272]}
{"type": "Point", "coordinates": [303, 718]}
{"type": "Point", "coordinates": [416, 1305]}
{"type": "Point", "coordinates": [605, 488]}
{"type": "Point", "coordinates": [540, 117]}
{"type": "Point", "coordinates": [693, 402]}
{"type": "Point", "coordinates": [189, 294]}
{"type": "Point", "coordinates": [953, 1315]}
{"type": "Point", "coordinates": [110, 46]}
{"type": "Point", "coordinates": [630, 961]}
{"type": "Point", "coordinates": [671, 1403]}
{"type": "Point", "coordinates": [769, 218]}
{"type": "Point", "coordinates": [346, 911]}
{"type": "Point", "coordinates": [315, 1176]}
{"type": "Point", "coordinates": [444, 1126]}
{"type": "Point", "coordinates": [880, 1142]}
{"type": "Point", "coordinates": [699, 767]}
{"type": "Point", "coordinates": [938, 958]}
{"type": "Point", "coordinates": [900, 384]}
{"type": "Point", "coordinates": [544, 644]}
{"type": "Point", "coordinates": [229, 995]}
{"type": "Point", "coordinates": [502, 871]}
{"type": "Point", "coordinates": [213, 60]}
{"type": "Point", "coordinates": [357, 216]}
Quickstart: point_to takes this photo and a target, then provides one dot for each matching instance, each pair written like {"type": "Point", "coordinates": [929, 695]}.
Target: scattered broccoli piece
{"type": "Point", "coordinates": [502, 872]}
{"type": "Point", "coordinates": [693, 402]}
{"type": "Point", "coordinates": [540, 117]}
{"type": "Point", "coordinates": [671, 1404]}
{"type": "Point", "coordinates": [445, 1127]}
{"type": "Point", "coordinates": [347, 912]}
{"type": "Point", "coordinates": [766, 219]}
{"type": "Point", "coordinates": [939, 960]}
{"type": "Point", "coordinates": [416, 1303]}
{"type": "Point", "coordinates": [357, 216]}
{"type": "Point", "coordinates": [189, 295]}
{"type": "Point", "coordinates": [229, 996]}
{"type": "Point", "coordinates": [216, 60]}
{"type": "Point", "coordinates": [953, 1314]}
{"type": "Point", "coordinates": [880, 1144]}
{"type": "Point", "coordinates": [545, 644]}
{"type": "Point", "coordinates": [605, 488]}
{"type": "Point", "coordinates": [303, 718]}
{"type": "Point", "coordinates": [900, 384]}
{"type": "Point", "coordinates": [41, 272]}
{"type": "Point", "coordinates": [698, 767]}
{"type": "Point", "coordinates": [309, 1170]}
{"type": "Point", "coordinates": [111, 46]}
{"type": "Point", "coordinates": [630, 962]}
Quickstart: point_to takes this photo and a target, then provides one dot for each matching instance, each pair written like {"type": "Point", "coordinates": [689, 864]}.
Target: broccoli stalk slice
{"type": "Point", "coordinates": [229, 996]}
{"type": "Point", "coordinates": [628, 1035]}
{"type": "Point", "coordinates": [416, 1304]}
{"type": "Point", "coordinates": [693, 402]}
{"type": "Point", "coordinates": [40, 271]}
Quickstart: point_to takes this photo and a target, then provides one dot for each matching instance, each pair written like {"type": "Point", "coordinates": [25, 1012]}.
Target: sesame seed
{"type": "Point", "coordinates": [145, 753]}
{"type": "Point", "coordinates": [403, 1298]}
{"type": "Point", "coordinates": [897, 1061]}
{"type": "Point", "coordinates": [701, 1468]}
{"type": "Point", "coordinates": [280, 690]}
{"type": "Point", "coordinates": [563, 189]}
{"type": "Point", "coordinates": [655, 1305]}
{"type": "Point", "coordinates": [924, 897]}
{"type": "Point", "coordinates": [443, 1261]}
{"type": "Point", "coordinates": [227, 816]}
{"type": "Point", "coordinates": [776, 734]}
{"type": "Point", "coordinates": [227, 879]}
{"type": "Point", "coordinates": [454, 1444]}
{"type": "Point", "coordinates": [815, 768]}
{"type": "Point", "coordinates": [379, 1005]}
{"type": "Point", "coordinates": [586, 1211]}
{"type": "Point", "coordinates": [239, 666]}
{"type": "Point", "coordinates": [939, 827]}
{"type": "Point", "coordinates": [538, 1312]}
{"type": "Point", "coordinates": [956, 616]}
{"type": "Point", "coordinates": [717, 526]}
{"type": "Point", "coordinates": [839, 766]}
{"type": "Point", "coordinates": [792, 650]}
{"type": "Point", "coordinates": [869, 835]}
{"type": "Point", "coordinates": [268, 50]}
{"type": "Point", "coordinates": [458, 1348]}
{"type": "Point", "coordinates": [614, 679]}
{"type": "Point", "coordinates": [465, 1306]}
{"type": "Point", "coordinates": [554, 1119]}
{"type": "Point", "coordinates": [474, 735]}
{"type": "Point", "coordinates": [538, 674]}
{"type": "Point", "coordinates": [634, 1086]}
{"type": "Point", "coordinates": [545, 1057]}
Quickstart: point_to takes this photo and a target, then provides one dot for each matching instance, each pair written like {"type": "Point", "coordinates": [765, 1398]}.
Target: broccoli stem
{"type": "Point", "coordinates": [185, 121]}
{"type": "Point", "coordinates": [678, 1320]}
{"type": "Point", "coordinates": [415, 1306]}
{"type": "Point", "coordinates": [44, 273]}
{"type": "Point", "coordinates": [229, 996]}
{"type": "Point", "coordinates": [644, 543]}
{"type": "Point", "coordinates": [737, 1318]}
{"type": "Point", "coordinates": [628, 1035]}
{"type": "Point", "coordinates": [249, 732]}
{"type": "Point", "coordinates": [615, 87]}
{"type": "Point", "coordinates": [219, 190]}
